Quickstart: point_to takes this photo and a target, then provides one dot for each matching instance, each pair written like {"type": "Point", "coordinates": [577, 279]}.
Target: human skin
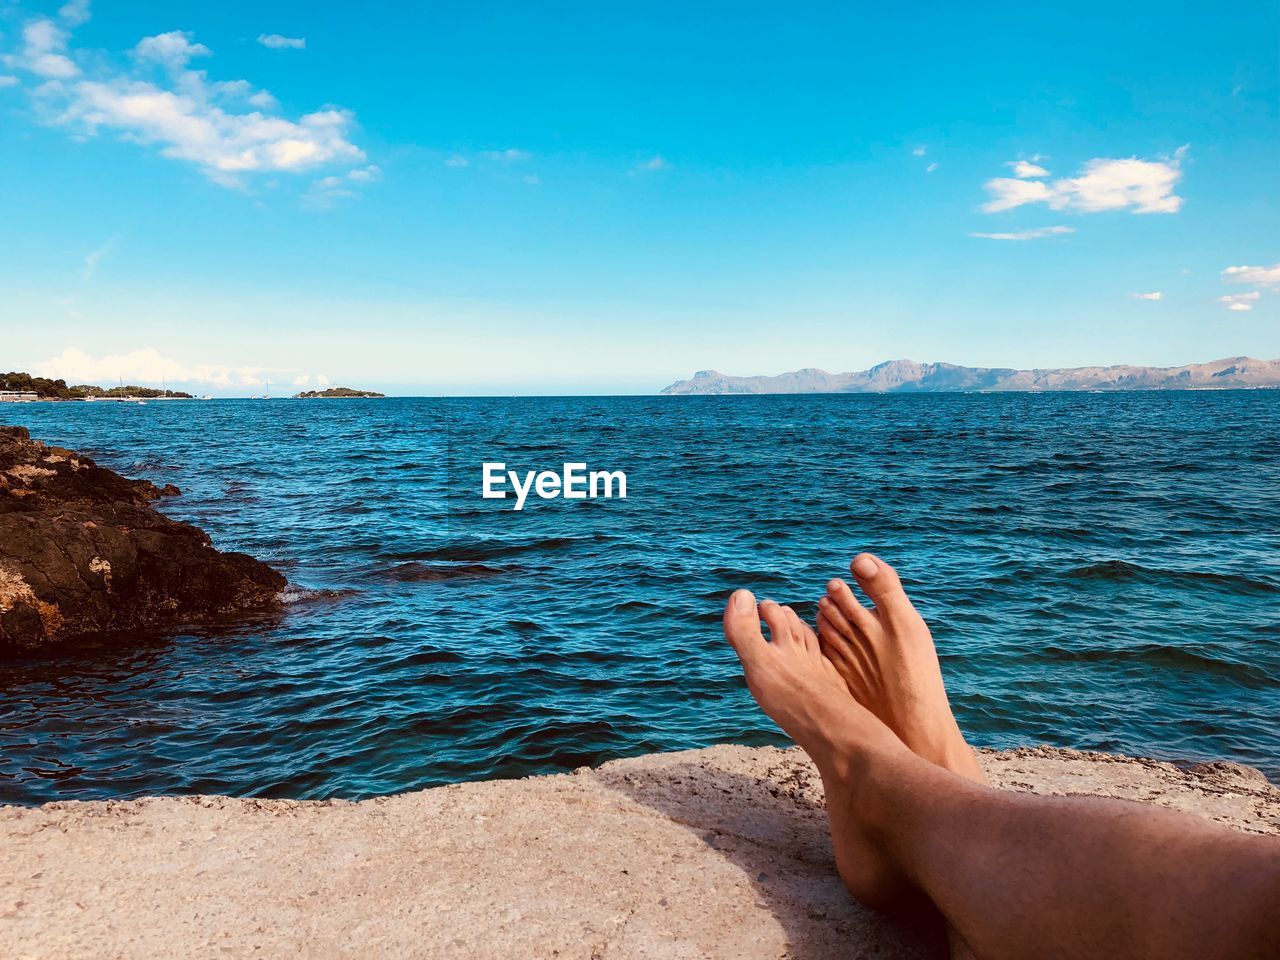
{"type": "Point", "coordinates": [1013, 874]}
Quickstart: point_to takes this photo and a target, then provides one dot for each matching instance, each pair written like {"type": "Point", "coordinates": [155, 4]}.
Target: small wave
{"type": "Point", "coordinates": [1164, 656]}
{"type": "Point", "coordinates": [416, 572]}
{"type": "Point", "coordinates": [481, 551]}
{"type": "Point", "coordinates": [293, 594]}
{"type": "Point", "coordinates": [1121, 571]}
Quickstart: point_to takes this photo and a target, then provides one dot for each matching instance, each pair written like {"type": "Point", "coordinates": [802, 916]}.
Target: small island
{"type": "Point", "coordinates": [336, 393]}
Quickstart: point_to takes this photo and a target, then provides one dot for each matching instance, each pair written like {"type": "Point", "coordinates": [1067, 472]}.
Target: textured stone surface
{"type": "Point", "coordinates": [717, 853]}
{"type": "Point", "coordinates": [82, 551]}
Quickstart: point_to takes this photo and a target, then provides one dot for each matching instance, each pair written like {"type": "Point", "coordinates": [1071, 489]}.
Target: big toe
{"type": "Point", "coordinates": [879, 582]}
{"type": "Point", "coordinates": [742, 625]}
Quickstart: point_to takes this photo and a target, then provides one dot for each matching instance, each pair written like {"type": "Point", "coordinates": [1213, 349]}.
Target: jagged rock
{"type": "Point", "coordinates": [82, 551]}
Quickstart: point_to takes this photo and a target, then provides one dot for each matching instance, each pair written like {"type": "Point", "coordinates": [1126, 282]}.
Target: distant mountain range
{"type": "Point", "coordinates": [907, 376]}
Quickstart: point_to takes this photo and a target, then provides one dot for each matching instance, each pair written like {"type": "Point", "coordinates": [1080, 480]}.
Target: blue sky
{"type": "Point", "coordinates": [596, 197]}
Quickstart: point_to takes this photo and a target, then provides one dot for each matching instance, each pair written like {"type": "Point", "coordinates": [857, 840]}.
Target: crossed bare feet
{"type": "Point", "coordinates": [868, 684]}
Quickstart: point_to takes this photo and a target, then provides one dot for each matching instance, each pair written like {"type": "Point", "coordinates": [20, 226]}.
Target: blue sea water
{"type": "Point", "coordinates": [1101, 571]}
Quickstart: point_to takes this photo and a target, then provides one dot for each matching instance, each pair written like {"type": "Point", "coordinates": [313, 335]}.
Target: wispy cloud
{"type": "Point", "coordinates": [920, 151]}
{"type": "Point", "coordinates": [1026, 170]}
{"type": "Point", "coordinates": [172, 50]}
{"type": "Point", "coordinates": [1258, 276]}
{"type": "Point", "coordinates": [1033, 234]}
{"type": "Point", "coordinates": [44, 51]}
{"type": "Point", "coordinates": [510, 155]}
{"type": "Point", "coordinates": [1266, 278]}
{"type": "Point", "coordinates": [1141, 186]}
{"type": "Point", "coordinates": [94, 257]}
{"type": "Point", "coordinates": [931, 167]}
{"type": "Point", "coordinates": [1153, 295]}
{"type": "Point", "coordinates": [8, 81]}
{"type": "Point", "coordinates": [457, 160]}
{"type": "Point", "coordinates": [278, 41]}
{"type": "Point", "coordinates": [322, 194]}
{"type": "Point", "coordinates": [74, 13]}
{"type": "Point", "coordinates": [654, 164]}
{"type": "Point", "coordinates": [1240, 301]}
{"type": "Point", "coordinates": [227, 129]}
{"type": "Point", "coordinates": [148, 366]}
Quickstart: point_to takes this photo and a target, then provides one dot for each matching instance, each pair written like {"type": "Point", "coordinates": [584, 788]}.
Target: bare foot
{"type": "Point", "coordinates": [887, 659]}
{"type": "Point", "coordinates": [803, 693]}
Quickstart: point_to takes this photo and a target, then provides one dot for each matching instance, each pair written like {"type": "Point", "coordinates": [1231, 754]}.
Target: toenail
{"type": "Point", "coordinates": [865, 567]}
{"type": "Point", "coordinates": [743, 601]}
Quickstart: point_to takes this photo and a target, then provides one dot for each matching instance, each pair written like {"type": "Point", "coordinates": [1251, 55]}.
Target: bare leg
{"type": "Point", "coordinates": [1017, 875]}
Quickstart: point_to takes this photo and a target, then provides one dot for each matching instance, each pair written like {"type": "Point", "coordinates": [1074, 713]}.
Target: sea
{"type": "Point", "coordinates": [1100, 571]}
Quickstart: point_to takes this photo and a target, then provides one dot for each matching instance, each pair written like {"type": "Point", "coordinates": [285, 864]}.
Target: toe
{"type": "Point", "coordinates": [742, 626]}
{"type": "Point", "coordinates": [832, 623]}
{"type": "Point", "coordinates": [779, 625]}
{"type": "Point", "coordinates": [879, 582]}
{"type": "Point", "coordinates": [802, 631]}
{"type": "Point", "coordinates": [857, 617]}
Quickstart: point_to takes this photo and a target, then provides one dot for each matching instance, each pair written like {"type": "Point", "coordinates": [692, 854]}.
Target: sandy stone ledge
{"type": "Point", "coordinates": [717, 853]}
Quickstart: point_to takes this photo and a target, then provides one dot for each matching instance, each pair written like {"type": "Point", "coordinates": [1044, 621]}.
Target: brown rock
{"type": "Point", "coordinates": [83, 552]}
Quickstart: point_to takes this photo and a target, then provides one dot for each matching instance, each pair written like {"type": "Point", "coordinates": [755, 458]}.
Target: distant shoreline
{"type": "Point", "coordinates": [908, 376]}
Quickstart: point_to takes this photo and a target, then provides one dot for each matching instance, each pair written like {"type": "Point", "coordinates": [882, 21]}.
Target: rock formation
{"type": "Point", "coordinates": [83, 552]}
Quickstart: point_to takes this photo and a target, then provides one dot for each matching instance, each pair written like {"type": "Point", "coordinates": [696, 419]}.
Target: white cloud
{"type": "Point", "coordinates": [172, 50]}
{"type": "Point", "coordinates": [1240, 301]}
{"type": "Point", "coordinates": [1025, 170]}
{"type": "Point", "coordinates": [43, 51]}
{"type": "Point", "coordinates": [366, 174]}
{"type": "Point", "coordinates": [311, 380]}
{"type": "Point", "coordinates": [930, 168]}
{"type": "Point", "coordinates": [1266, 277]}
{"type": "Point", "coordinates": [532, 179]}
{"type": "Point", "coordinates": [325, 192]}
{"type": "Point", "coordinates": [1259, 276]}
{"type": "Point", "coordinates": [457, 160]}
{"type": "Point", "coordinates": [224, 144]}
{"type": "Point", "coordinates": [147, 366]}
{"type": "Point", "coordinates": [1144, 186]}
{"type": "Point", "coordinates": [8, 81]}
{"type": "Point", "coordinates": [74, 13]}
{"type": "Point", "coordinates": [277, 41]}
{"type": "Point", "coordinates": [224, 127]}
{"type": "Point", "coordinates": [1153, 295]}
{"type": "Point", "coordinates": [1033, 234]}
{"type": "Point", "coordinates": [652, 165]}
{"type": "Point", "coordinates": [262, 100]}
{"type": "Point", "coordinates": [510, 155]}
{"type": "Point", "coordinates": [919, 151]}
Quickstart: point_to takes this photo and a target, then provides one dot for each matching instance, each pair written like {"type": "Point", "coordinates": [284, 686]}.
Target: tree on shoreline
{"type": "Point", "coordinates": [47, 389]}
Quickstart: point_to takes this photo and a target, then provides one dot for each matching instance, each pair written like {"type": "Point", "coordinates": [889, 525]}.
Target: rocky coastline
{"type": "Point", "coordinates": [83, 551]}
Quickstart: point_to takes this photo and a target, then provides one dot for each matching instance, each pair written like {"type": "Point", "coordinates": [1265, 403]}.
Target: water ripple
{"type": "Point", "coordinates": [1101, 572]}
